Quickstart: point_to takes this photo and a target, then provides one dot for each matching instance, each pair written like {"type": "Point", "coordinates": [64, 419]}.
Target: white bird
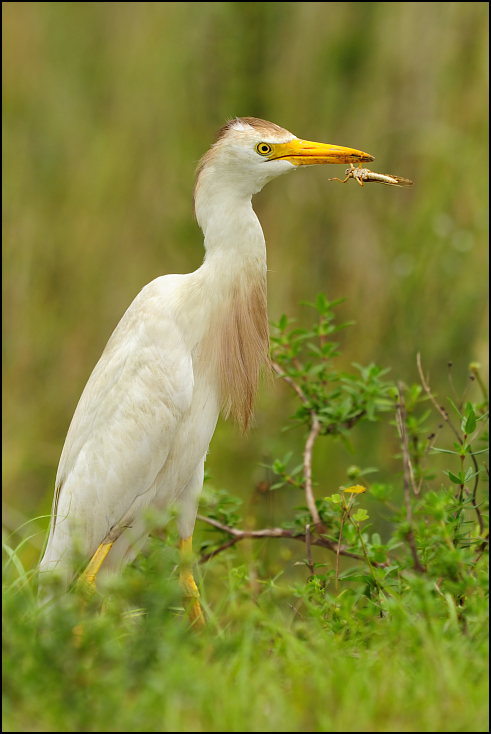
{"type": "Point", "coordinates": [188, 347]}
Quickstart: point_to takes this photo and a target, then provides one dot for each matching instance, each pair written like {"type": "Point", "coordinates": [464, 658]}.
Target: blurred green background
{"type": "Point", "coordinates": [107, 109]}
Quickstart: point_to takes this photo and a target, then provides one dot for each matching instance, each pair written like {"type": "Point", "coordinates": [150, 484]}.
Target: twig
{"type": "Point", "coordinates": [444, 413]}
{"type": "Point", "coordinates": [220, 526]}
{"type": "Point", "coordinates": [474, 495]}
{"type": "Point", "coordinates": [309, 445]}
{"type": "Point", "coordinates": [338, 550]}
{"type": "Point", "coordinates": [365, 552]}
{"type": "Point", "coordinates": [238, 535]}
{"type": "Point", "coordinates": [440, 408]}
{"type": "Point", "coordinates": [478, 512]}
{"type": "Point", "coordinates": [309, 549]}
{"type": "Point", "coordinates": [464, 394]}
{"type": "Point", "coordinates": [431, 442]}
{"type": "Point", "coordinates": [481, 548]}
{"type": "Point", "coordinates": [223, 547]}
{"type": "Point", "coordinates": [474, 367]}
{"type": "Point", "coordinates": [276, 367]}
{"type": "Point", "coordinates": [296, 610]}
{"type": "Point", "coordinates": [307, 466]}
{"type": "Point", "coordinates": [401, 424]}
{"type": "Point", "coordinates": [407, 495]}
{"type": "Point", "coordinates": [289, 480]}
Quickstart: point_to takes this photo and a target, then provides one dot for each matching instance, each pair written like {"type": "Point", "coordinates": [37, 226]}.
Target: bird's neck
{"type": "Point", "coordinates": [225, 214]}
{"type": "Point", "coordinates": [233, 300]}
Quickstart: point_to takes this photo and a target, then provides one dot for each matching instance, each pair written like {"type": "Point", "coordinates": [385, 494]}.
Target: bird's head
{"type": "Point", "coordinates": [249, 152]}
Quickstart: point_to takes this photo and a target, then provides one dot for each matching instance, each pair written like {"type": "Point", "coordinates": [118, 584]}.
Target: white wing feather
{"type": "Point", "coordinates": [125, 423]}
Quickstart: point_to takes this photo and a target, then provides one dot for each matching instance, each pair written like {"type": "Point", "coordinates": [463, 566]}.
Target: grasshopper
{"type": "Point", "coordinates": [365, 175]}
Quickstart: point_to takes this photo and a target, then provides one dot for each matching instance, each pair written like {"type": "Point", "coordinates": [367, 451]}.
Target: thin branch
{"type": "Point", "coordinates": [401, 424]}
{"type": "Point", "coordinates": [307, 470]}
{"type": "Point", "coordinates": [238, 535]}
{"type": "Point", "coordinates": [440, 408]}
{"type": "Point", "coordinates": [338, 550]}
{"type": "Point", "coordinates": [444, 413]}
{"type": "Point", "coordinates": [464, 395]}
{"type": "Point", "coordinates": [474, 497]}
{"type": "Point", "coordinates": [481, 550]}
{"type": "Point", "coordinates": [296, 610]}
{"type": "Point", "coordinates": [477, 375]}
{"type": "Point", "coordinates": [431, 442]}
{"type": "Point", "coordinates": [223, 547]}
{"type": "Point", "coordinates": [365, 553]}
{"type": "Point", "coordinates": [289, 480]}
{"type": "Point", "coordinates": [220, 526]}
{"type": "Point", "coordinates": [407, 496]}
{"type": "Point", "coordinates": [309, 549]}
{"type": "Point", "coordinates": [276, 367]}
{"type": "Point", "coordinates": [309, 445]}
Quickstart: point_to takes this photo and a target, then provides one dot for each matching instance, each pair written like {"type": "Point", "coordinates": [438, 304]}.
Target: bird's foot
{"type": "Point", "coordinates": [195, 613]}
{"type": "Point", "coordinates": [191, 600]}
{"type": "Point", "coordinates": [85, 586]}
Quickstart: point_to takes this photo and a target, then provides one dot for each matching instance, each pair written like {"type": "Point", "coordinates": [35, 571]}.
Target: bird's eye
{"type": "Point", "coordinates": [263, 148]}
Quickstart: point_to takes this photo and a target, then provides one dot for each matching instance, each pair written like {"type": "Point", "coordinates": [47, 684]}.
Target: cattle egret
{"type": "Point", "coordinates": [188, 347]}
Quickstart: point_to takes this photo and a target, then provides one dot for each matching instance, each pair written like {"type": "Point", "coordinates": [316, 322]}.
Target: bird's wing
{"type": "Point", "coordinates": [124, 424]}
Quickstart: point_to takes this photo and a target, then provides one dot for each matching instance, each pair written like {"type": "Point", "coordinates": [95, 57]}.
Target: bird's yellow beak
{"type": "Point", "coordinates": [306, 153]}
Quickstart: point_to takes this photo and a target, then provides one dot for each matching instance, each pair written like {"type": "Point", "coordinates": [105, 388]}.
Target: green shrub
{"type": "Point", "coordinates": [394, 641]}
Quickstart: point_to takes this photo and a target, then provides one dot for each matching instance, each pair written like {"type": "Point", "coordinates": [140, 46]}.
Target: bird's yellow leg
{"type": "Point", "coordinates": [188, 585]}
{"type": "Point", "coordinates": [86, 583]}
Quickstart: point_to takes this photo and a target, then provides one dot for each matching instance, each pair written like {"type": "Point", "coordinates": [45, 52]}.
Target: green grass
{"type": "Point", "coordinates": [108, 106]}
{"type": "Point", "coordinates": [259, 666]}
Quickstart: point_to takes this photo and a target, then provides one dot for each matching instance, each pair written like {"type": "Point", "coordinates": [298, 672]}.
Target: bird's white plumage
{"type": "Point", "coordinates": [188, 346]}
{"type": "Point", "coordinates": [128, 419]}
{"type": "Point", "coordinates": [144, 422]}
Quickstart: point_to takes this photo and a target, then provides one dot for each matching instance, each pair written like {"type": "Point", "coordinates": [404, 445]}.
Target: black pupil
{"type": "Point", "coordinates": [264, 148]}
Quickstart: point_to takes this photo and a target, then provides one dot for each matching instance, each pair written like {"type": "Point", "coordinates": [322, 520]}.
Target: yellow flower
{"type": "Point", "coordinates": [357, 489]}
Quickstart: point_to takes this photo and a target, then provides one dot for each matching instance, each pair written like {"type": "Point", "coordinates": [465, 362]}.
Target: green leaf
{"type": "Point", "coordinates": [471, 474]}
{"type": "Point", "coordinates": [283, 322]}
{"type": "Point", "coordinates": [361, 515]}
{"type": "Point", "coordinates": [455, 408]}
{"type": "Point", "coordinates": [368, 470]}
{"type": "Point", "coordinates": [321, 303]}
{"type": "Point", "coordinates": [335, 498]}
{"type": "Point", "coordinates": [336, 302]}
{"type": "Point", "coordinates": [455, 479]}
{"type": "Point", "coordinates": [277, 485]}
{"type": "Point", "coordinates": [470, 422]}
{"type": "Point", "coordinates": [354, 575]}
{"type": "Point", "coordinates": [296, 469]}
